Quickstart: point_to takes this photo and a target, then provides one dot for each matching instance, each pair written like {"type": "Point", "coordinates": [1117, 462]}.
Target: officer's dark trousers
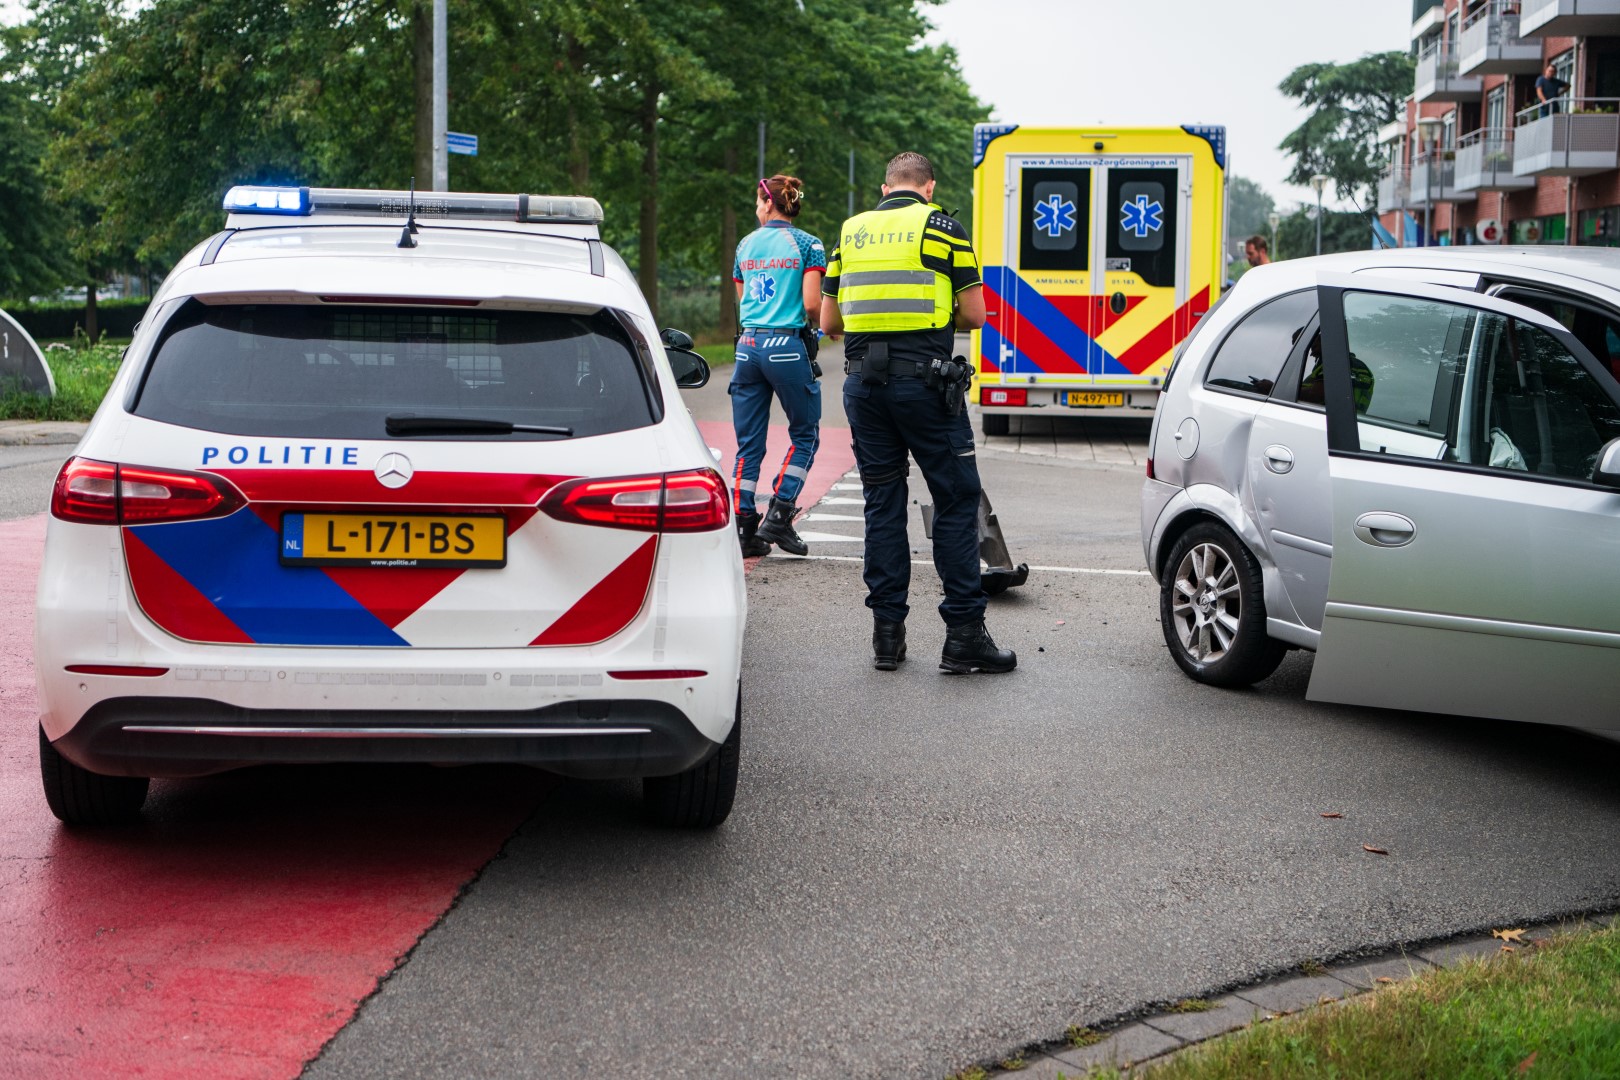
{"type": "Point", "coordinates": [887, 423]}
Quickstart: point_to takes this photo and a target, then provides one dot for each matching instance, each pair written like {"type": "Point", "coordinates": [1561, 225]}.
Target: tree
{"type": "Point", "coordinates": [1342, 230]}
{"type": "Point", "coordinates": [1347, 104]}
{"type": "Point", "coordinates": [1248, 209]}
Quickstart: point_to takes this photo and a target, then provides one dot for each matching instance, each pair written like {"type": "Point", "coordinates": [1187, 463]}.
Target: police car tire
{"type": "Point", "coordinates": [78, 796]}
{"type": "Point", "coordinates": [700, 797]}
{"type": "Point", "coordinates": [995, 423]}
{"type": "Point", "coordinates": [1253, 654]}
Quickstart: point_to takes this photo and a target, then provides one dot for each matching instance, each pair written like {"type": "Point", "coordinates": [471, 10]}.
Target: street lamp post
{"type": "Point", "coordinates": [1429, 140]}
{"type": "Point", "coordinates": [1319, 181]}
{"type": "Point", "coordinates": [1274, 219]}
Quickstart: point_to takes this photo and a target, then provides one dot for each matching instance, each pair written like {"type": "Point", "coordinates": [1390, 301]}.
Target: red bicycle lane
{"type": "Point", "coordinates": [242, 922]}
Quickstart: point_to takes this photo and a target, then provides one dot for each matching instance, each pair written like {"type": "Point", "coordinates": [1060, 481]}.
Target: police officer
{"type": "Point", "coordinates": [901, 280]}
{"type": "Point", "coordinates": [778, 276]}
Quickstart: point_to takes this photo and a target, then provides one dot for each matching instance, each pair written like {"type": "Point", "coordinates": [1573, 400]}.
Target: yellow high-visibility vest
{"type": "Point", "coordinates": [884, 286]}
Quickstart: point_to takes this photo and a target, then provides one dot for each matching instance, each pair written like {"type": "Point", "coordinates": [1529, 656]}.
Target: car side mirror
{"type": "Point", "coordinates": [675, 339]}
{"type": "Point", "coordinates": [1607, 472]}
{"type": "Point", "coordinates": [691, 370]}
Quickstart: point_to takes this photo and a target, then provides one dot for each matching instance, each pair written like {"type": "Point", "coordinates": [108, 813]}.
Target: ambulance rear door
{"type": "Point", "coordinates": [1095, 247]}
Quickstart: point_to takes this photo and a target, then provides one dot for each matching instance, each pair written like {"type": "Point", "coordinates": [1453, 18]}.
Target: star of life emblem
{"type": "Point", "coordinates": [761, 287]}
{"type": "Point", "coordinates": [395, 471]}
{"type": "Point", "coordinates": [1140, 217]}
{"type": "Point", "coordinates": [1054, 216]}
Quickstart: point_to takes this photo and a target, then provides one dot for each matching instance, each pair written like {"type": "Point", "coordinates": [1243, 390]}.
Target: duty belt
{"type": "Point", "coordinates": [896, 367]}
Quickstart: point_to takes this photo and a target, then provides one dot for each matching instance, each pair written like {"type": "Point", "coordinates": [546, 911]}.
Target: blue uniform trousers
{"type": "Point", "coordinates": [773, 363]}
{"type": "Point", "coordinates": [888, 422]}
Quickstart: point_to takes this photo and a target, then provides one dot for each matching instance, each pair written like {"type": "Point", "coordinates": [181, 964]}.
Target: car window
{"type": "Point", "coordinates": [1598, 330]}
{"type": "Point", "coordinates": [1448, 382]}
{"type": "Point", "coordinates": [333, 371]}
{"type": "Point", "coordinates": [1253, 353]}
{"type": "Point", "coordinates": [1192, 335]}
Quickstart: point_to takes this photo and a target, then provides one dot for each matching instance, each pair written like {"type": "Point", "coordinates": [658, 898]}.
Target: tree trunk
{"type": "Point", "coordinates": [648, 274]}
{"type": "Point", "coordinates": [91, 328]}
{"type": "Point", "coordinates": [728, 245]}
{"type": "Point", "coordinates": [579, 151]}
{"type": "Point", "coordinates": [422, 21]}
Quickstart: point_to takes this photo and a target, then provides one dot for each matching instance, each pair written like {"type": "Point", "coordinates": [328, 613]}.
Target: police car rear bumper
{"type": "Point", "coordinates": [178, 737]}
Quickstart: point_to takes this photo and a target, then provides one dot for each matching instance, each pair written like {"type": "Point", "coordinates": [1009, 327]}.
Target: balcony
{"type": "Point", "coordinates": [1434, 180]}
{"type": "Point", "coordinates": [1485, 162]}
{"type": "Point", "coordinates": [1569, 18]}
{"type": "Point", "coordinates": [1491, 44]}
{"type": "Point", "coordinates": [1437, 78]}
{"type": "Point", "coordinates": [1581, 138]}
{"type": "Point", "coordinates": [1427, 16]}
{"type": "Point", "coordinates": [1392, 188]}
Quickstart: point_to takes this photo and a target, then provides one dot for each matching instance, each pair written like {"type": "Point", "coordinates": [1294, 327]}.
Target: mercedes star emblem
{"type": "Point", "coordinates": [394, 470]}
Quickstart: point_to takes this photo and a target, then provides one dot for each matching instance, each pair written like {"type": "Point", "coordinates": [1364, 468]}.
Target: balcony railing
{"type": "Point", "coordinates": [1434, 180]}
{"type": "Point", "coordinates": [1438, 80]}
{"type": "Point", "coordinates": [1392, 188]}
{"type": "Point", "coordinates": [1567, 137]}
{"type": "Point", "coordinates": [1569, 18]}
{"type": "Point", "coordinates": [1485, 162]}
{"type": "Point", "coordinates": [1491, 44]}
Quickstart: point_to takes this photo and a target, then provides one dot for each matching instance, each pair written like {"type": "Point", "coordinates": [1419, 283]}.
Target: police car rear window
{"type": "Point", "coordinates": [318, 371]}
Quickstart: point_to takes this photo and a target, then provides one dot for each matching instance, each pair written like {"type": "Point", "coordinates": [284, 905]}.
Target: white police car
{"type": "Point", "coordinates": [366, 490]}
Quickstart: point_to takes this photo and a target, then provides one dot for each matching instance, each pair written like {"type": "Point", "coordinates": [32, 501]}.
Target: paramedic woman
{"type": "Point", "coordinates": [777, 272]}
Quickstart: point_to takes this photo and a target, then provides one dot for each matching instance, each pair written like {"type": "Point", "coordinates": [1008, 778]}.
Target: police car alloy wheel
{"type": "Point", "coordinates": [352, 501]}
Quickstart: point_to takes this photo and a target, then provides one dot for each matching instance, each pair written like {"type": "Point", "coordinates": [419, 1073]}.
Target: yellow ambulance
{"type": "Point", "coordinates": [1101, 248]}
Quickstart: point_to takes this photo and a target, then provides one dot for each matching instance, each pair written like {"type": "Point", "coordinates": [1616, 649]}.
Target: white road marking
{"type": "Point", "coordinates": [841, 500]}
{"type": "Point", "coordinates": [930, 562]}
{"type": "Point", "coordinates": [810, 537]}
{"type": "Point", "coordinates": [816, 515]}
{"type": "Point", "coordinates": [847, 487]}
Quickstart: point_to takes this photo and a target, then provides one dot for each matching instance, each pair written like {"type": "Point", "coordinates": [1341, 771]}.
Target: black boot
{"type": "Point", "coordinates": [888, 644]}
{"type": "Point", "coordinates": [970, 648]}
{"type": "Point", "coordinates": [777, 528]}
{"type": "Point", "coordinates": [752, 545]}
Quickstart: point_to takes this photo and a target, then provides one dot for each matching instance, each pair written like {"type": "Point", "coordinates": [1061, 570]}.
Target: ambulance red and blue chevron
{"type": "Point", "coordinates": [394, 477]}
{"type": "Point", "coordinates": [1102, 247]}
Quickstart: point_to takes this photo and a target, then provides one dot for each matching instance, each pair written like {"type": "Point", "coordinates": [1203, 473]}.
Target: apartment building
{"type": "Point", "coordinates": [1478, 157]}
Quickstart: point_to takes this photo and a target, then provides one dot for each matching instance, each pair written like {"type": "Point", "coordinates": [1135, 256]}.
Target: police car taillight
{"type": "Point", "coordinates": [102, 493]}
{"type": "Point", "coordinates": [693, 501]}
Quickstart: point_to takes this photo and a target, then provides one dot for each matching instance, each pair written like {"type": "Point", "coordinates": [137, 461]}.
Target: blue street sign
{"type": "Point", "coordinates": [458, 143]}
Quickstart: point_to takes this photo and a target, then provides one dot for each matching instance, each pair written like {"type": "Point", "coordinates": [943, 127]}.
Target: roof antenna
{"type": "Point", "coordinates": [407, 236]}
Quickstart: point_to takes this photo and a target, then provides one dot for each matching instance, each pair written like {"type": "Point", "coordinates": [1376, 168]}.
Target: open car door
{"type": "Point", "coordinates": [1476, 563]}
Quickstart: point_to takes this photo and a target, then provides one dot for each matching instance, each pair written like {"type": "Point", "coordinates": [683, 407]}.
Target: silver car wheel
{"type": "Point", "coordinates": [1208, 604]}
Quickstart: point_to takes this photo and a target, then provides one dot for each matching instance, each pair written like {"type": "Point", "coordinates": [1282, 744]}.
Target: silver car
{"type": "Point", "coordinates": [1409, 462]}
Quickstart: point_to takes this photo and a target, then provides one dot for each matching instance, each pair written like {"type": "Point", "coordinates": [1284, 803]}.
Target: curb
{"type": "Point", "coordinates": [40, 432]}
{"type": "Point", "coordinates": [1138, 1040]}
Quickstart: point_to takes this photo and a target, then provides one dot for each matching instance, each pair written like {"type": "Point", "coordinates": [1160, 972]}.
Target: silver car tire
{"type": "Point", "coordinates": [1212, 609]}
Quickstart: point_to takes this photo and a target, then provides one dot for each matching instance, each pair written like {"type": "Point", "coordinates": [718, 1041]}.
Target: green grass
{"type": "Point", "coordinates": [718, 355]}
{"type": "Point", "coordinates": [82, 373]}
{"type": "Point", "coordinates": [1559, 1001]}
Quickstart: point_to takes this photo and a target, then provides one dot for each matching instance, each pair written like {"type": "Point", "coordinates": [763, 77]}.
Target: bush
{"type": "Point", "coordinates": [59, 321]}
{"type": "Point", "coordinates": [82, 375]}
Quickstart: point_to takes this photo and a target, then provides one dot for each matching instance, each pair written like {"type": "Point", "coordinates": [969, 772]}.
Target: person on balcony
{"type": "Point", "coordinates": [1550, 90]}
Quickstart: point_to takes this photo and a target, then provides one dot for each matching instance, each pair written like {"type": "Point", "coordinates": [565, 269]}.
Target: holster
{"type": "Point", "coordinates": [875, 367]}
{"type": "Point", "coordinates": [812, 346]}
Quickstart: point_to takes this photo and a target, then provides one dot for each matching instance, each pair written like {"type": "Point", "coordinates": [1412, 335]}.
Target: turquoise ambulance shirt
{"type": "Point", "coordinates": [771, 263]}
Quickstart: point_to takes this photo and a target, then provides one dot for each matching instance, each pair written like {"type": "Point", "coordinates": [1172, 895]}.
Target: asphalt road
{"type": "Point", "coordinates": [925, 871]}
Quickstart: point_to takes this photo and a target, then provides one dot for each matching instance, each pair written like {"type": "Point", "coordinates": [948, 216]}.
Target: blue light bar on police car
{"type": "Point", "coordinates": [428, 205]}
{"type": "Point", "coordinates": [252, 199]}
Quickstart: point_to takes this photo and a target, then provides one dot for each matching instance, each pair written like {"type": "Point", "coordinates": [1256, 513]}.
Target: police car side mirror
{"type": "Point", "coordinates": [691, 370]}
{"type": "Point", "coordinates": [675, 339]}
{"type": "Point", "coordinates": [1607, 472]}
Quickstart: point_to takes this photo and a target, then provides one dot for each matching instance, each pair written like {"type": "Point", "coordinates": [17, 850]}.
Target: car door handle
{"type": "Point", "coordinates": [1385, 530]}
{"type": "Point", "coordinates": [1279, 459]}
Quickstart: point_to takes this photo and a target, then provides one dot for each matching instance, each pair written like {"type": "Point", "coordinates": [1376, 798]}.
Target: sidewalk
{"type": "Point", "coordinates": [40, 432]}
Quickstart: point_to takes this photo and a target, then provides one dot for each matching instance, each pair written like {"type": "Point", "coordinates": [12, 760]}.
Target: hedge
{"type": "Point", "coordinates": [115, 318]}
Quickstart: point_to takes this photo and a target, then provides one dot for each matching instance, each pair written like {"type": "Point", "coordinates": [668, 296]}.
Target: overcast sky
{"type": "Point", "coordinates": [1122, 62]}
